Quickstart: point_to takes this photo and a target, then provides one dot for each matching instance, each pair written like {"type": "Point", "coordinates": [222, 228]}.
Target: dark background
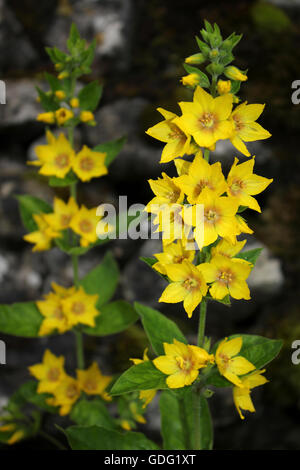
{"type": "Point", "coordinates": [141, 45]}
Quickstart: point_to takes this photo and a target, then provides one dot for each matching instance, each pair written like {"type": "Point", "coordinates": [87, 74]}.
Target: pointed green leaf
{"type": "Point", "coordinates": [158, 328]}
{"type": "Point", "coordinates": [29, 205]}
{"type": "Point", "coordinates": [250, 255]}
{"type": "Point", "coordinates": [102, 280]}
{"type": "Point", "coordinates": [20, 319]}
{"type": "Point", "coordinates": [100, 438]}
{"type": "Point", "coordinates": [143, 376]}
{"type": "Point", "coordinates": [90, 95]}
{"type": "Point", "coordinates": [114, 317]}
{"type": "Point", "coordinates": [94, 412]}
{"type": "Point", "coordinates": [112, 149]}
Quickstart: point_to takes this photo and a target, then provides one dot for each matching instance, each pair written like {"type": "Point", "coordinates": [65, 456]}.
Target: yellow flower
{"type": "Point", "coordinates": [174, 253]}
{"type": "Point", "coordinates": [177, 141]}
{"type": "Point", "coordinates": [206, 118]}
{"type": "Point", "coordinates": [242, 226]}
{"type": "Point", "coordinates": [187, 285]}
{"type": "Point", "coordinates": [170, 222]}
{"type": "Point", "coordinates": [55, 158]}
{"type": "Point", "coordinates": [235, 74]}
{"type": "Point", "coordinates": [63, 115]}
{"type": "Point", "coordinates": [166, 191]}
{"type": "Point", "coordinates": [48, 117]}
{"type": "Point", "coordinates": [49, 373]}
{"type": "Point", "coordinates": [92, 382]}
{"type": "Point", "coordinates": [243, 184]}
{"type": "Point", "coordinates": [216, 219]}
{"type": "Point", "coordinates": [223, 86]}
{"type": "Point", "coordinates": [227, 249]}
{"type": "Point", "coordinates": [61, 292]}
{"type": "Point", "coordinates": [55, 319]}
{"type": "Point", "coordinates": [182, 166]}
{"type": "Point", "coordinates": [146, 396]}
{"type": "Point", "coordinates": [60, 95]}
{"type": "Point", "coordinates": [227, 277]}
{"type": "Point", "coordinates": [86, 116]}
{"type": "Point", "coordinates": [62, 214]}
{"type": "Point", "coordinates": [89, 164]}
{"type": "Point", "coordinates": [181, 363]}
{"type": "Point", "coordinates": [43, 236]}
{"type": "Point", "coordinates": [202, 175]}
{"type": "Point", "coordinates": [245, 129]}
{"type": "Point", "coordinates": [65, 395]}
{"type": "Point", "coordinates": [231, 365]}
{"type": "Point", "coordinates": [84, 223]}
{"type": "Point", "coordinates": [241, 395]}
{"type": "Point", "coordinates": [191, 80]}
{"type": "Point", "coordinates": [74, 103]}
{"type": "Point", "coordinates": [80, 308]}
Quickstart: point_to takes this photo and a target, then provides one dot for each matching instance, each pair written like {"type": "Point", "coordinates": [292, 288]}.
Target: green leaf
{"type": "Point", "coordinates": [112, 149]}
{"type": "Point", "coordinates": [206, 425]}
{"type": "Point", "coordinates": [90, 95]}
{"type": "Point", "coordinates": [143, 376]}
{"type": "Point", "coordinates": [100, 438]}
{"type": "Point", "coordinates": [102, 280]}
{"type": "Point", "coordinates": [74, 36]}
{"type": "Point", "coordinates": [54, 82]}
{"type": "Point", "coordinates": [172, 429]}
{"type": "Point", "coordinates": [69, 179]}
{"type": "Point", "coordinates": [250, 255]}
{"type": "Point", "coordinates": [29, 205]}
{"type": "Point", "coordinates": [158, 328]}
{"type": "Point", "coordinates": [47, 101]}
{"type": "Point", "coordinates": [114, 317]}
{"type": "Point", "coordinates": [257, 349]}
{"type": "Point", "coordinates": [20, 319]}
{"type": "Point", "coordinates": [27, 393]}
{"type": "Point", "coordinates": [89, 413]}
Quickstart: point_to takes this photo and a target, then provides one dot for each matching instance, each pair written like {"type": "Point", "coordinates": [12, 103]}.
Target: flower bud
{"type": "Point", "coordinates": [235, 74]}
{"type": "Point", "coordinates": [191, 80]}
{"type": "Point", "coordinates": [60, 94]}
{"type": "Point", "coordinates": [195, 59]}
{"type": "Point", "coordinates": [74, 103]}
{"type": "Point", "coordinates": [224, 87]}
{"type": "Point", "coordinates": [86, 116]}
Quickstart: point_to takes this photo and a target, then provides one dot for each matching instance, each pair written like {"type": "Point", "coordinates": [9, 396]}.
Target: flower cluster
{"type": "Point", "coordinates": [182, 363]}
{"type": "Point", "coordinates": [58, 158]}
{"type": "Point", "coordinates": [66, 216]}
{"type": "Point", "coordinates": [65, 389]}
{"type": "Point", "coordinates": [65, 308]}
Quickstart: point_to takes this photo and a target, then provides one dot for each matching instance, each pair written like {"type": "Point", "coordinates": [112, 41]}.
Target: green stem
{"type": "Point", "coordinates": [206, 155]}
{"type": "Point", "coordinates": [197, 418]}
{"type": "Point", "coordinates": [185, 426]}
{"type": "Point", "coordinates": [52, 439]}
{"type": "Point", "coordinates": [202, 320]}
{"type": "Point", "coordinates": [77, 332]}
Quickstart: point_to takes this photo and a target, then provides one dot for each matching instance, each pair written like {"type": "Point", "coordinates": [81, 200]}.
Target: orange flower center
{"type": "Point", "coordinates": [239, 125]}
{"type": "Point", "coordinates": [211, 215]}
{"type": "Point", "coordinates": [65, 220]}
{"type": "Point", "coordinates": [173, 196]}
{"type": "Point", "coordinates": [53, 374]}
{"type": "Point", "coordinates": [78, 308]}
{"type": "Point", "coordinates": [200, 186]}
{"type": "Point", "coordinates": [225, 276]}
{"type": "Point", "coordinates": [90, 385]}
{"type": "Point", "coordinates": [208, 121]}
{"type": "Point", "coordinates": [237, 186]}
{"type": "Point", "coordinates": [176, 133]}
{"type": "Point", "coordinates": [58, 313]}
{"type": "Point", "coordinates": [86, 226]}
{"type": "Point", "coordinates": [184, 363]}
{"type": "Point", "coordinates": [71, 391]}
{"type": "Point", "coordinates": [86, 164]}
{"type": "Point", "coordinates": [62, 160]}
{"type": "Point", "coordinates": [190, 284]}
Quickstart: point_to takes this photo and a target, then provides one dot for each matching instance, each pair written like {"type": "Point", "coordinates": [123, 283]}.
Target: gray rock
{"type": "Point", "coordinates": [118, 119]}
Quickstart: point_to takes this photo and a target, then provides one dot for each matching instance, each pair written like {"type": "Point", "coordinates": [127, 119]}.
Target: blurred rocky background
{"type": "Point", "coordinates": [140, 48]}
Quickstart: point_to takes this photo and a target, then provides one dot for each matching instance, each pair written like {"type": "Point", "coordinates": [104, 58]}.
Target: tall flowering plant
{"type": "Point", "coordinates": [199, 214]}
{"type": "Point", "coordinates": [86, 306]}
